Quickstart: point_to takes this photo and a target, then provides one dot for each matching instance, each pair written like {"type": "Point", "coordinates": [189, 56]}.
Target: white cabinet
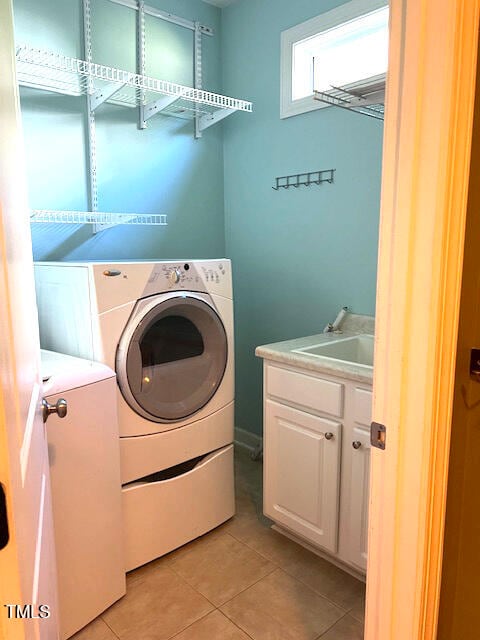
{"type": "Point", "coordinates": [307, 391]}
{"type": "Point", "coordinates": [317, 459]}
{"type": "Point", "coordinates": [358, 497]}
{"type": "Point", "coordinates": [303, 473]}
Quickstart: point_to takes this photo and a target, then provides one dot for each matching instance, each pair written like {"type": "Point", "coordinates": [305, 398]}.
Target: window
{"type": "Point", "coordinates": [342, 47]}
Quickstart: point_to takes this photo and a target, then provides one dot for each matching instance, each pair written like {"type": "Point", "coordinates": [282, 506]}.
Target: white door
{"type": "Point", "coordinates": [359, 496]}
{"type": "Point", "coordinates": [302, 465]}
{"type": "Point", "coordinates": [27, 560]}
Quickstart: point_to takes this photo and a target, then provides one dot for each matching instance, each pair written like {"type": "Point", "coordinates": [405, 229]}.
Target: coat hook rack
{"type": "Point", "coordinates": [304, 179]}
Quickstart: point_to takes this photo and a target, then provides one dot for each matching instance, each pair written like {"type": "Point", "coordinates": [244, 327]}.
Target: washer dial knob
{"type": "Point", "coordinates": [174, 276]}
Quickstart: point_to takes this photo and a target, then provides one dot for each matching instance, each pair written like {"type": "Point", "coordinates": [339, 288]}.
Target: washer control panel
{"type": "Point", "coordinates": [179, 275]}
{"type": "Point", "coordinates": [214, 274]}
{"type": "Point", "coordinates": [175, 275]}
{"type": "Point", "coordinates": [201, 275]}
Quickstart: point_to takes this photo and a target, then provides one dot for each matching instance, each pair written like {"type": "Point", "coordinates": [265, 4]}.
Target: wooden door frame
{"type": "Point", "coordinates": [428, 130]}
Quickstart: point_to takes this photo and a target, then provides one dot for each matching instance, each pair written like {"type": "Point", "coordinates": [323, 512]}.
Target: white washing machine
{"type": "Point", "coordinates": [85, 481]}
{"type": "Point", "coordinates": [166, 328]}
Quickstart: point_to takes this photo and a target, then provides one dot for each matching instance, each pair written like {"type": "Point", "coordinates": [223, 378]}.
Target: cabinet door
{"type": "Point", "coordinates": [359, 497]}
{"type": "Point", "coordinates": [302, 464]}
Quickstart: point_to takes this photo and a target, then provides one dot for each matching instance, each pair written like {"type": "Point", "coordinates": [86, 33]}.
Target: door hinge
{"type": "Point", "coordinates": [378, 435]}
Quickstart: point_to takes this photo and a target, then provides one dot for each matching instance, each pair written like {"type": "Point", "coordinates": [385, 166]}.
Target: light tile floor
{"type": "Point", "coordinates": [242, 581]}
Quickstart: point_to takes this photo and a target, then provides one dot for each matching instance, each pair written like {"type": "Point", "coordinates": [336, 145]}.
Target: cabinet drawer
{"type": "Point", "coordinates": [161, 516]}
{"type": "Point", "coordinates": [307, 391]}
{"type": "Point", "coordinates": [362, 406]}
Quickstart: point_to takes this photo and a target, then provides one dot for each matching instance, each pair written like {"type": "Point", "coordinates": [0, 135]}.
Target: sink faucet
{"type": "Point", "coordinates": [330, 327]}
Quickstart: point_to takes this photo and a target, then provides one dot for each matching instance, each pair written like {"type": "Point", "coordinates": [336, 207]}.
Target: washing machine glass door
{"type": "Point", "coordinates": [175, 359]}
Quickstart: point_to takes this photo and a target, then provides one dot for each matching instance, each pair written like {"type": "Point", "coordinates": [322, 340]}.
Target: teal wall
{"type": "Point", "coordinates": [160, 170]}
{"type": "Point", "coordinates": [298, 255]}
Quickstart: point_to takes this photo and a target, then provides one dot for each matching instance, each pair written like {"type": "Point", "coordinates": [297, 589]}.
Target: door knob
{"type": "Point", "coordinates": [328, 435]}
{"type": "Point", "coordinates": [60, 408]}
{"type": "Point", "coordinates": [356, 444]}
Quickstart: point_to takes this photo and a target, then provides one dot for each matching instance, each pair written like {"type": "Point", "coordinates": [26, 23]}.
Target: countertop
{"type": "Point", "coordinates": [283, 352]}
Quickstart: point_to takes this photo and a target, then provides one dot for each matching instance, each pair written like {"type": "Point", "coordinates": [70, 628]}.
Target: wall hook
{"type": "Point", "coordinates": [304, 179]}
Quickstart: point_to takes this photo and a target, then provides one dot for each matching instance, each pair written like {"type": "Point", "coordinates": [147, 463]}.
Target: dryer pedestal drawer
{"type": "Point", "coordinates": [142, 455]}
{"type": "Point", "coordinates": [161, 516]}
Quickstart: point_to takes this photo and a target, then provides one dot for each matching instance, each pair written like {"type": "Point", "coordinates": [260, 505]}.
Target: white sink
{"type": "Point", "coordinates": [355, 350]}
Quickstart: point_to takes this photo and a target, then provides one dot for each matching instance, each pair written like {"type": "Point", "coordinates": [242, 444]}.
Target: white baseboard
{"type": "Point", "coordinates": [247, 439]}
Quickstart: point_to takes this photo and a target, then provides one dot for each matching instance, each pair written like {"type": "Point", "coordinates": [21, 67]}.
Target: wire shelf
{"type": "Point", "coordinates": [367, 100]}
{"type": "Point", "coordinates": [97, 218]}
{"type": "Point", "coordinates": [50, 71]}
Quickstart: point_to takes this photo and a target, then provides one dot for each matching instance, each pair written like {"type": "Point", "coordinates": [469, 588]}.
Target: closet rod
{"type": "Point", "coordinates": [164, 15]}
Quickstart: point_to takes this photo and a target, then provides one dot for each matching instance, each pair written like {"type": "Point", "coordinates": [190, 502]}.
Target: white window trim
{"type": "Point", "coordinates": [328, 20]}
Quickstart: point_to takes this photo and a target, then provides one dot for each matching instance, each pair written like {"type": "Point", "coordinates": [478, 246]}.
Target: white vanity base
{"type": "Point", "coordinates": [317, 415]}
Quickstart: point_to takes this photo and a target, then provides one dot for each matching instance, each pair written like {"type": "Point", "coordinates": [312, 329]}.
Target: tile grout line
{"type": "Point", "coordinates": [275, 567]}
{"type": "Point", "coordinates": [257, 552]}
{"type": "Point", "coordinates": [205, 536]}
{"type": "Point", "coordinates": [183, 579]}
{"type": "Point", "coordinates": [106, 623]}
{"type": "Point", "coordinates": [196, 590]}
{"type": "Point", "coordinates": [169, 567]}
{"type": "Point", "coordinates": [331, 627]}
{"type": "Point", "coordinates": [206, 616]}
{"type": "Point", "coordinates": [339, 606]}
{"type": "Point", "coordinates": [190, 625]}
{"type": "Point", "coordinates": [249, 587]}
{"type": "Point", "coordinates": [231, 620]}
{"type": "Point", "coordinates": [279, 566]}
{"type": "Point", "coordinates": [236, 625]}
{"type": "Point", "coordinates": [362, 621]}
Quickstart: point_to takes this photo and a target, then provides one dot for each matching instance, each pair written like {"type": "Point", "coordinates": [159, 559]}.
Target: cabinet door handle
{"type": "Point", "coordinates": [356, 444]}
{"type": "Point", "coordinates": [60, 408]}
{"type": "Point", "coordinates": [328, 435]}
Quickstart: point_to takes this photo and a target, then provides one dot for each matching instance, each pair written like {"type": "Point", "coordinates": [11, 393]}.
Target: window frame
{"type": "Point", "coordinates": [328, 20]}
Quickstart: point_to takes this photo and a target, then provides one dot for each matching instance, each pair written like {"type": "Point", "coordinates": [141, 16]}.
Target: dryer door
{"type": "Point", "coordinates": [172, 357]}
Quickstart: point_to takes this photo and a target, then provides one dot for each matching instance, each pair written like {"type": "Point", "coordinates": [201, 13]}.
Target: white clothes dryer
{"type": "Point", "coordinates": [166, 328]}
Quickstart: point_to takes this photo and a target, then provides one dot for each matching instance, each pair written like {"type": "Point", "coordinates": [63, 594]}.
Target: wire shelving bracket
{"type": "Point", "coordinates": [304, 179]}
{"type": "Point", "coordinates": [368, 100]}
{"type": "Point", "coordinates": [50, 71]}
{"type": "Point", "coordinates": [61, 74]}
